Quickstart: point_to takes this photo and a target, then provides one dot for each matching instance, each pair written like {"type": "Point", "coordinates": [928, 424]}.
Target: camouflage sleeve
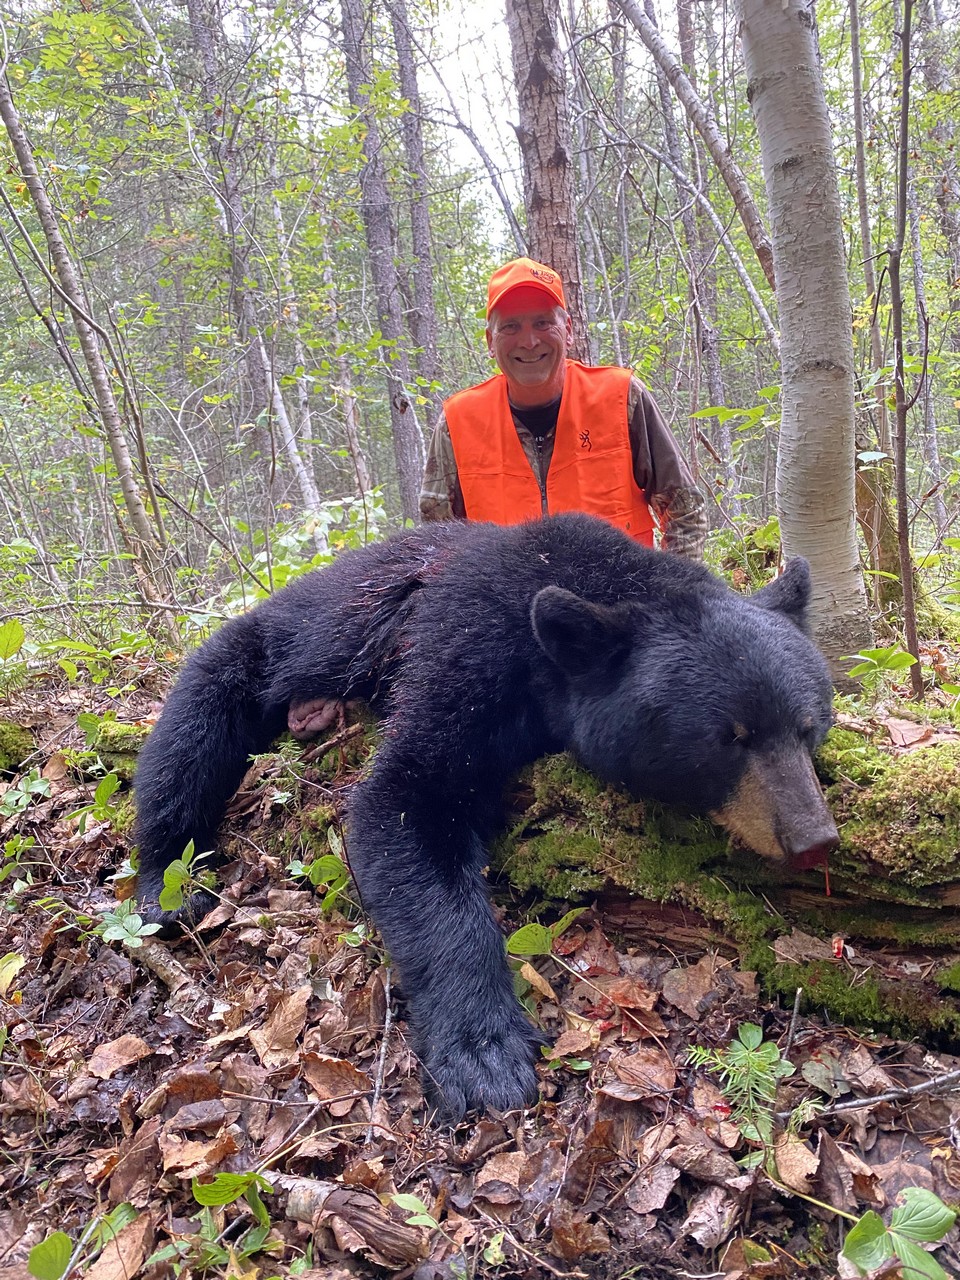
{"type": "Point", "coordinates": [440, 496]}
{"type": "Point", "coordinates": [661, 471]}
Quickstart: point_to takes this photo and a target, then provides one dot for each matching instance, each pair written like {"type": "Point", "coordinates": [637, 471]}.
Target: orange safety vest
{"type": "Point", "coordinates": [591, 468]}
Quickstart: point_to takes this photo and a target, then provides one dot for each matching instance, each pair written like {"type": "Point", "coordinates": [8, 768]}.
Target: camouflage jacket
{"type": "Point", "coordinates": [659, 468]}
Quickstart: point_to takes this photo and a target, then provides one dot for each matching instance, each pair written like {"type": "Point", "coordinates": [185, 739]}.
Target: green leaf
{"type": "Point", "coordinates": [751, 1036]}
{"type": "Point", "coordinates": [105, 789]}
{"type": "Point", "coordinates": [10, 966]}
{"type": "Point", "coordinates": [224, 1189]}
{"type": "Point", "coordinates": [412, 1204]}
{"type": "Point", "coordinates": [868, 1243]}
{"type": "Point", "coordinates": [50, 1259]}
{"type": "Point", "coordinates": [530, 940]}
{"type": "Point", "coordinates": [12, 636]}
{"type": "Point", "coordinates": [917, 1262]}
{"type": "Point", "coordinates": [922, 1216]}
{"type": "Point", "coordinates": [564, 923]}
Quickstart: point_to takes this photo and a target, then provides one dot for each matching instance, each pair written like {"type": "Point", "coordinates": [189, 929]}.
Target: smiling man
{"type": "Point", "coordinates": [548, 434]}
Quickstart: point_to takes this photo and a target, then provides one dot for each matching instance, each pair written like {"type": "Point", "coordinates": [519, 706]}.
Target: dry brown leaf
{"type": "Point", "coordinates": [335, 1078]}
{"type": "Point", "coordinates": [574, 1235]}
{"type": "Point", "coordinates": [537, 981]}
{"type": "Point", "coordinates": [138, 1164]}
{"type": "Point", "coordinates": [713, 1215]}
{"type": "Point", "coordinates": [646, 1072]}
{"type": "Point", "coordinates": [107, 1059]}
{"type": "Point", "coordinates": [907, 733]}
{"type": "Point", "coordinates": [124, 1255]}
{"type": "Point", "coordinates": [190, 1159]}
{"type": "Point", "coordinates": [276, 1041]}
{"type": "Point", "coordinates": [650, 1189]}
{"type": "Point", "coordinates": [505, 1167]}
{"type": "Point", "coordinates": [624, 992]}
{"type": "Point", "coordinates": [796, 1163]}
{"type": "Point", "coordinates": [692, 989]}
{"type": "Point", "coordinates": [591, 956]}
{"type": "Point", "coordinates": [576, 1040]}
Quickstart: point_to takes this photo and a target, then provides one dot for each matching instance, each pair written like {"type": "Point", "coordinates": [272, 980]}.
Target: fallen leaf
{"type": "Point", "coordinates": [124, 1255]}
{"type": "Point", "coordinates": [107, 1059]}
{"type": "Point", "coordinates": [276, 1041]}
{"type": "Point", "coordinates": [574, 1235]}
{"type": "Point", "coordinates": [796, 1163]}
{"type": "Point", "coordinates": [336, 1082]}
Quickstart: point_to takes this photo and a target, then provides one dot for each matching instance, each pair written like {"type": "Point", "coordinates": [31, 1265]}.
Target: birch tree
{"type": "Point", "coordinates": [815, 466]}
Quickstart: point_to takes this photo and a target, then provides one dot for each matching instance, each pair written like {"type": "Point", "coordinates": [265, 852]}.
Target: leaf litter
{"type": "Point", "coordinates": [129, 1077]}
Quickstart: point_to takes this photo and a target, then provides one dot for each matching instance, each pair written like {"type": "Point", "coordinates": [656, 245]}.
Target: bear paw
{"type": "Point", "coordinates": [476, 1072]}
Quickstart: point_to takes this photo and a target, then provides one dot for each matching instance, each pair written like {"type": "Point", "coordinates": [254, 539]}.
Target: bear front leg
{"type": "Point", "coordinates": [418, 869]}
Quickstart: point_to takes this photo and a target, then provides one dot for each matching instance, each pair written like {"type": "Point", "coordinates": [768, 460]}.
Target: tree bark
{"type": "Point", "coordinates": [376, 208]}
{"type": "Point", "coordinates": [545, 140]}
{"type": "Point", "coordinates": [815, 466]}
{"type": "Point", "coordinates": [423, 314]}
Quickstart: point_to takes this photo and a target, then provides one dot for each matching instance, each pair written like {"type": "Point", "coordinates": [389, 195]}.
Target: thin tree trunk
{"type": "Point", "coordinates": [931, 443]}
{"type": "Point", "coordinates": [144, 543]}
{"type": "Point", "coordinates": [376, 206]}
{"type": "Point", "coordinates": [703, 121]}
{"type": "Point", "coordinates": [705, 331]}
{"type": "Point", "coordinates": [545, 139]}
{"type": "Point", "coordinates": [873, 489]}
{"type": "Point", "coordinates": [344, 390]}
{"type": "Point", "coordinates": [423, 316]}
{"type": "Point", "coordinates": [815, 468]}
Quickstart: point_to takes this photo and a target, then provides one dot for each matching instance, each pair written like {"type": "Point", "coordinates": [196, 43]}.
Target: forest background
{"type": "Point", "coordinates": [245, 252]}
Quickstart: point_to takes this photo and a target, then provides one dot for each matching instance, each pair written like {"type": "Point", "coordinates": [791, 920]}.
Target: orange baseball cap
{"type": "Point", "coordinates": [524, 273]}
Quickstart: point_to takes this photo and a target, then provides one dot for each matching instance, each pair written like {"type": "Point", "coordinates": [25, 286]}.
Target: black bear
{"type": "Point", "coordinates": [486, 648]}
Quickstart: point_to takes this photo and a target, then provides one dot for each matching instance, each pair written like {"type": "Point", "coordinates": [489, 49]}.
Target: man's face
{"type": "Point", "coordinates": [528, 335]}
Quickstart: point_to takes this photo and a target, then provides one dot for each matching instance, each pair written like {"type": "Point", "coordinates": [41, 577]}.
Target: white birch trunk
{"type": "Point", "coordinates": [815, 466]}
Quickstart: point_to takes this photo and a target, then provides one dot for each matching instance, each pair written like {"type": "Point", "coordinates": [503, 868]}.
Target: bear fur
{"type": "Point", "coordinates": [485, 648]}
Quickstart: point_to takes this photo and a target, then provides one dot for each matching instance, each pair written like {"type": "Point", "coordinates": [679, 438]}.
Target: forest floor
{"type": "Point", "coordinates": [275, 1045]}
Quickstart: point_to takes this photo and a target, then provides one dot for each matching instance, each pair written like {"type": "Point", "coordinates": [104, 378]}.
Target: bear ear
{"type": "Point", "coordinates": [578, 636]}
{"type": "Point", "coordinates": [789, 594]}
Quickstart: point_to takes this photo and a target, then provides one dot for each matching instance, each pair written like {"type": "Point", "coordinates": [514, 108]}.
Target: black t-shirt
{"type": "Point", "coordinates": [540, 420]}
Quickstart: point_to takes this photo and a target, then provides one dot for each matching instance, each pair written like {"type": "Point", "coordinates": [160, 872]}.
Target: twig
{"type": "Point", "coordinates": [793, 1024]}
{"type": "Point", "coordinates": [382, 1057]}
{"type": "Point", "coordinates": [949, 1082]}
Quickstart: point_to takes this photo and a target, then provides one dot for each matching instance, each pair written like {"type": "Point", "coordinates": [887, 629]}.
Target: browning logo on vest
{"type": "Point", "coordinates": [592, 465]}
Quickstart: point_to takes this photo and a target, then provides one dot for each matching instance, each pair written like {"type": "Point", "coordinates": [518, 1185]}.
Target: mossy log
{"type": "Point", "coordinates": [894, 881]}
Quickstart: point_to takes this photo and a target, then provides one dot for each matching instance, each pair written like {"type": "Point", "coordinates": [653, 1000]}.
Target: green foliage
{"type": "Point", "coordinates": [179, 878]}
{"type": "Point", "coordinates": [750, 1070]}
{"type": "Point", "coordinates": [920, 1218]}
{"type": "Point", "coordinates": [101, 809]}
{"type": "Point", "coordinates": [537, 939]}
{"type": "Point", "coordinates": [124, 924]}
{"type": "Point", "coordinates": [51, 1258]}
{"type": "Point", "coordinates": [22, 793]}
{"type": "Point", "coordinates": [329, 870]}
{"type": "Point", "coordinates": [871, 665]}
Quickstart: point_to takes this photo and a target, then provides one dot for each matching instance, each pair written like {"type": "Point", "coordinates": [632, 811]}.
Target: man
{"type": "Point", "coordinates": [548, 434]}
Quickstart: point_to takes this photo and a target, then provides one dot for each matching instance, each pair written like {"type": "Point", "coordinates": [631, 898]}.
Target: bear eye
{"type": "Point", "coordinates": [739, 734]}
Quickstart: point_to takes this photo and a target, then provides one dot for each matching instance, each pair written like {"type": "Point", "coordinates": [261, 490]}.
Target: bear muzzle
{"type": "Point", "coordinates": [778, 810]}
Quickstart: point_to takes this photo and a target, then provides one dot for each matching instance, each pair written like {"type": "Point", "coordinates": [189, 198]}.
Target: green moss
{"type": "Point", "coordinates": [576, 832]}
{"type": "Point", "coordinates": [904, 825]}
{"type": "Point", "coordinates": [115, 735]}
{"type": "Point", "coordinates": [847, 755]}
{"type": "Point", "coordinates": [948, 979]}
{"type": "Point", "coordinates": [16, 743]}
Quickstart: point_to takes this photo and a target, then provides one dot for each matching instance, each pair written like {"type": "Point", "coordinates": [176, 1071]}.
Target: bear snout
{"type": "Point", "coordinates": [778, 810]}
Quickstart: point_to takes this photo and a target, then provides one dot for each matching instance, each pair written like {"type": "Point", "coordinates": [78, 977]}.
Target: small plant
{"type": "Point", "coordinates": [207, 1248]}
{"type": "Point", "coordinates": [57, 1256]}
{"type": "Point", "coordinates": [181, 877]}
{"type": "Point", "coordinates": [13, 861]}
{"type": "Point", "coordinates": [750, 1069]}
{"type": "Point", "coordinates": [329, 870]}
{"type": "Point", "coordinates": [125, 924]}
{"type": "Point", "coordinates": [921, 1218]}
{"type": "Point", "coordinates": [873, 664]}
{"type": "Point", "coordinates": [101, 809]}
{"type": "Point", "coordinates": [22, 793]}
